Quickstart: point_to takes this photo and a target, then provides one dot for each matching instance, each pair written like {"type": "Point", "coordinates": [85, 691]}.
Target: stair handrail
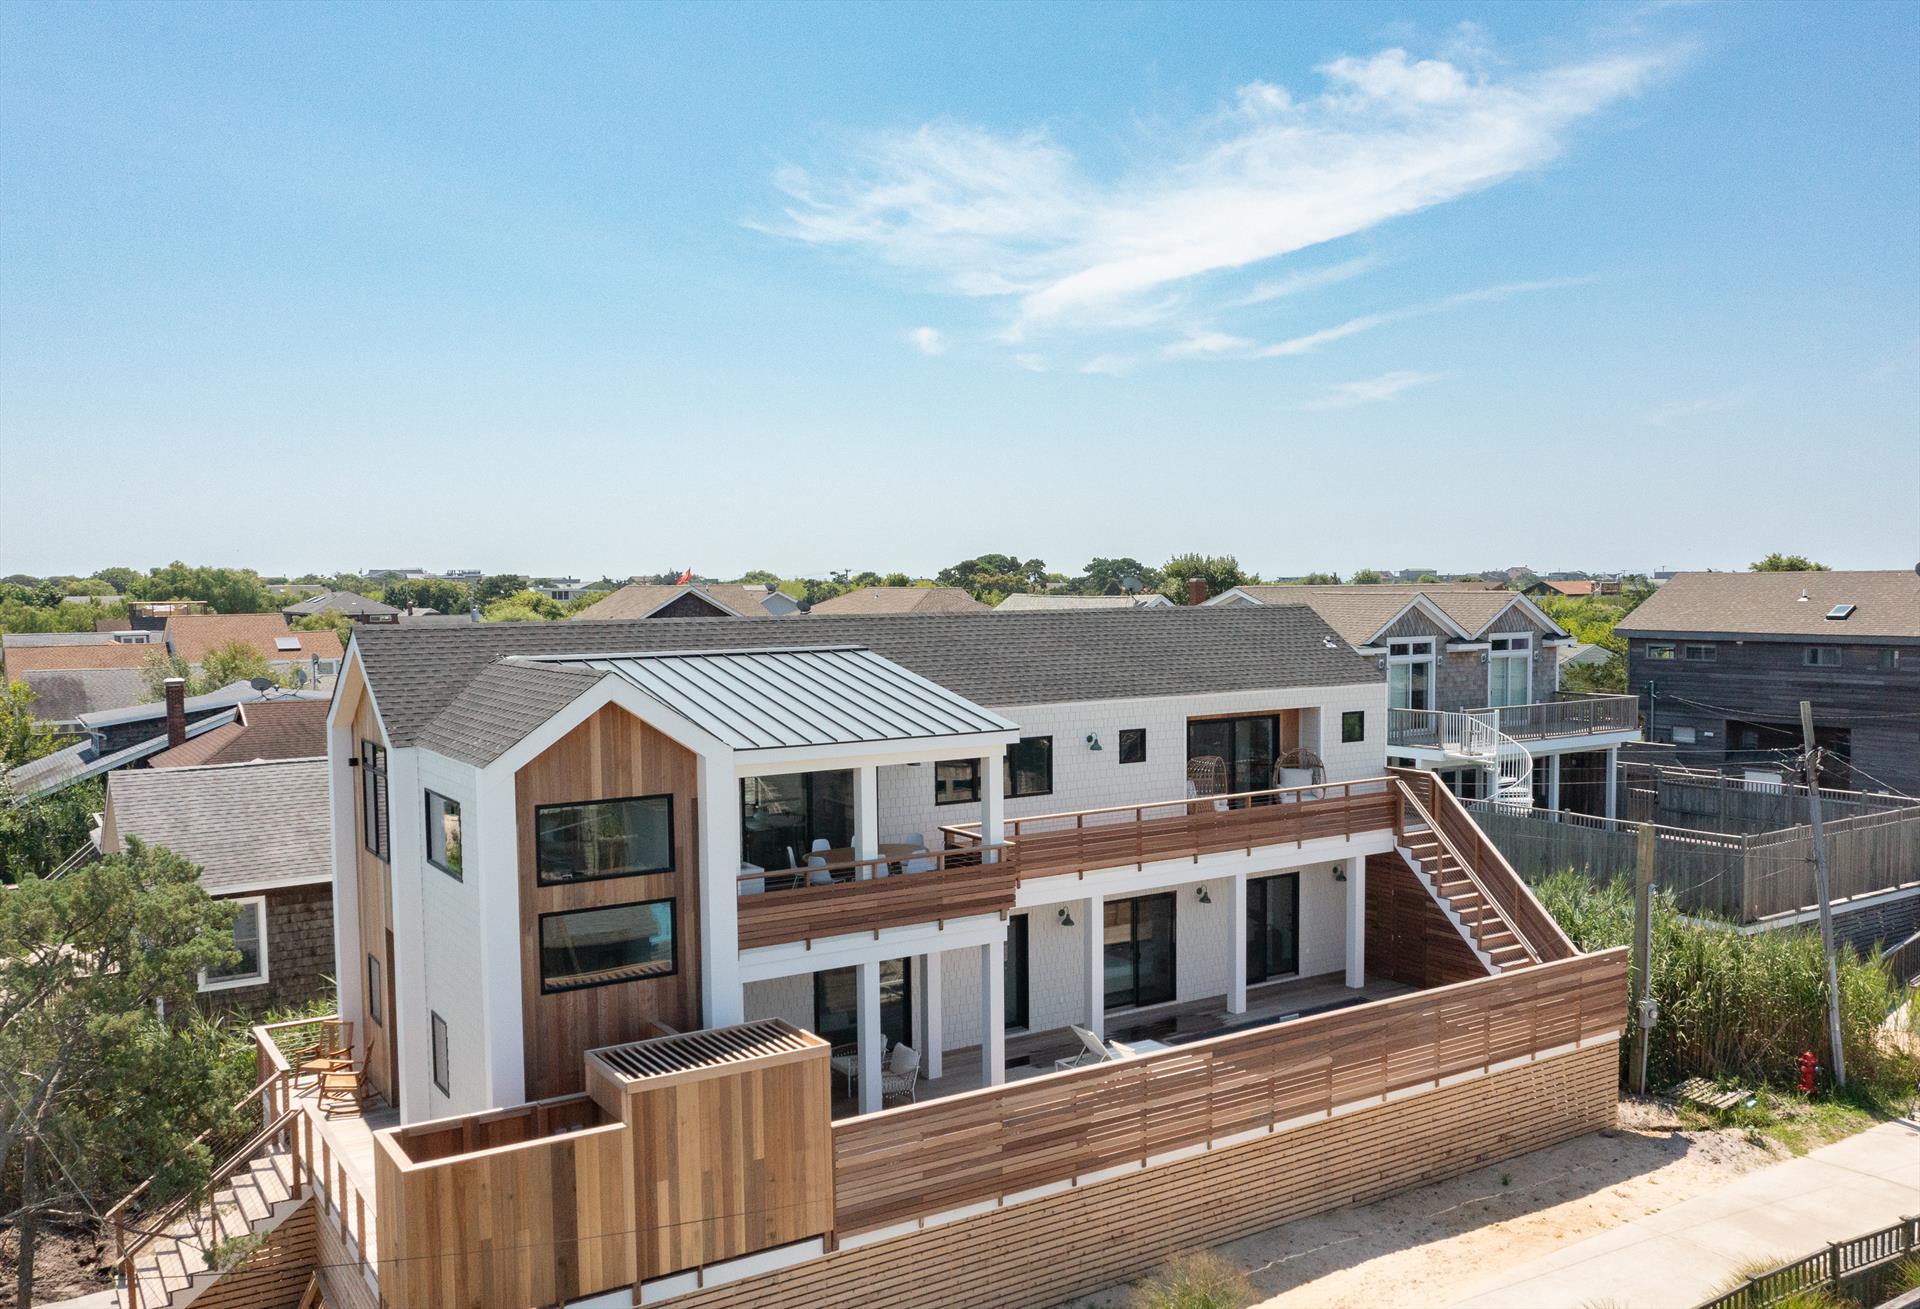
{"type": "Point", "coordinates": [222, 1173]}
{"type": "Point", "coordinates": [1521, 906]}
{"type": "Point", "coordinates": [1503, 752]}
{"type": "Point", "coordinates": [1473, 876]}
{"type": "Point", "coordinates": [277, 1082]}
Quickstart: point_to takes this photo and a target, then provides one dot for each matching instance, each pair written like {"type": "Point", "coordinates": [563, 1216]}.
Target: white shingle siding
{"type": "Point", "coordinates": [1090, 779]}
{"type": "Point", "coordinates": [450, 913]}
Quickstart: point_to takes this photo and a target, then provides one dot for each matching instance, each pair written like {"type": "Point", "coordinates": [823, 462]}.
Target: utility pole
{"type": "Point", "coordinates": [1642, 973]}
{"type": "Point", "coordinates": [1820, 884]}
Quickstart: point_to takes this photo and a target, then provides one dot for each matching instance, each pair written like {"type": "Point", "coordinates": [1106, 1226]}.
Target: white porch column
{"type": "Point", "coordinates": [1237, 944]}
{"type": "Point", "coordinates": [1613, 782]}
{"type": "Point", "coordinates": [993, 798]}
{"type": "Point", "coordinates": [866, 812]}
{"type": "Point", "coordinates": [1356, 922]}
{"type": "Point", "coordinates": [993, 1013]}
{"type": "Point", "coordinates": [1553, 782]}
{"type": "Point", "coordinates": [866, 980]}
{"type": "Point", "coordinates": [930, 988]}
{"type": "Point", "coordinates": [722, 1000]}
{"type": "Point", "coordinates": [1096, 965]}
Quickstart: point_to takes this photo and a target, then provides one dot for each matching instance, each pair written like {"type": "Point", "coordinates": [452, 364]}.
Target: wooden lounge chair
{"type": "Point", "coordinates": [342, 1089]}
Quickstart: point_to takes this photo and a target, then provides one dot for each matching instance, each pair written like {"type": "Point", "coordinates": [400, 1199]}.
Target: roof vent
{"type": "Point", "coordinates": [1804, 597]}
{"type": "Point", "coordinates": [1840, 613]}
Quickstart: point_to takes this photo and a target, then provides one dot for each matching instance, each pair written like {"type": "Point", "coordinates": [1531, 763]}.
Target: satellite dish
{"type": "Point", "coordinates": [261, 683]}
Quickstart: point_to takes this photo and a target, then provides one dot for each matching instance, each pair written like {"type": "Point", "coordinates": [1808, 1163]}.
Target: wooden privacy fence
{"type": "Point", "coordinates": [1740, 877]}
{"type": "Point", "coordinates": [1690, 797]}
{"type": "Point", "coordinates": [1048, 845]}
{"type": "Point", "coordinates": [869, 894]}
{"type": "Point", "coordinates": [985, 1145]}
{"type": "Point", "coordinates": [1860, 1270]}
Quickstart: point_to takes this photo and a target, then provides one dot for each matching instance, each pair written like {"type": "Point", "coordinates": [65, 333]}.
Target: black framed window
{"type": "Point", "coordinates": [1029, 771]}
{"type": "Point", "coordinates": [441, 1077]}
{"type": "Point", "coordinates": [956, 781]}
{"type": "Point", "coordinates": [1701, 654]}
{"type": "Point", "coordinates": [1133, 745]}
{"type": "Point", "coordinates": [1660, 650]}
{"type": "Point", "coordinates": [373, 798]}
{"type": "Point", "coordinates": [598, 947]}
{"type": "Point", "coordinates": [1823, 656]}
{"type": "Point", "coordinates": [374, 991]}
{"type": "Point", "coordinates": [443, 834]}
{"type": "Point", "coordinates": [1137, 950]}
{"type": "Point", "coordinates": [1030, 767]}
{"type": "Point", "coordinates": [603, 838]}
{"type": "Point", "coordinates": [1273, 926]}
{"type": "Point", "coordinates": [1353, 726]}
{"type": "Point", "coordinates": [783, 814]}
{"type": "Point", "coordinates": [1015, 981]}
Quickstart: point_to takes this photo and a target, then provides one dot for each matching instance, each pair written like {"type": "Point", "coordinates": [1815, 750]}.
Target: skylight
{"type": "Point", "coordinates": [293, 642]}
{"type": "Point", "coordinates": [1840, 613]}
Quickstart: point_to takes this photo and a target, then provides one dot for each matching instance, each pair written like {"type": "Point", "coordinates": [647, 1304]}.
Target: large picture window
{"type": "Point", "coordinates": [443, 833]}
{"type": "Point", "coordinates": [603, 838]}
{"type": "Point", "coordinates": [597, 947]}
{"type": "Point", "coordinates": [1509, 670]}
{"type": "Point", "coordinates": [250, 939]}
{"type": "Point", "coordinates": [1138, 950]}
{"type": "Point", "coordinates": [373, 798]}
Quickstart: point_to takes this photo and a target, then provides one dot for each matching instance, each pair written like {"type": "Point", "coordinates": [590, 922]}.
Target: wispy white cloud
{"type": "Point", "coordinates": [1300, 345]}
{"type": "Point", "coordinates": [928, 341]}
{"type": "Point", "coordinates": [1018, 218]}
{"type": "Point", "coordinates": [1677, 412]}
{"type": "Point", "coordinates": [1371, 391]}
{"type": "Point", "coordinates": [1202, 344]}
{"type": "Point", "coordinates": [1308, 279]}
{"type": "Point", "coordinates": [1109, 365]}
{"type": "Point", "coordinates": [1033, 363]}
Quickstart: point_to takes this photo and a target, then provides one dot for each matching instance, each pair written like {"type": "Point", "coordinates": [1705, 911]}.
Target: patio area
{"type": "Point", "coordinates": [1033, 1054]}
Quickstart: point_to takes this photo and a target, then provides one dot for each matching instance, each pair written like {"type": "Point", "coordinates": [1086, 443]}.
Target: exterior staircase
{"type": "Point", "coordinates": [1464, 900]}
{"type": "Point", "coordinates": [168, 1269]}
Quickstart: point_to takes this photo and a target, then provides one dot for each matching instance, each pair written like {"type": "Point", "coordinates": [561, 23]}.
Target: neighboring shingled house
{"type": "Point", "coordinates": [702, 600]}
{"type": "Point", "coordinates": [259, 833]}
{"type": "Point", "coordinates": [356, 607]}
{"type": "Point", "coordinates": [263, 730]}
{"type": "Point", "coordinates": [1023, 602]}
{"type": "Point", "coordinates": [903, 600]}
{"type": "Point", "coordinates": [194, 636]}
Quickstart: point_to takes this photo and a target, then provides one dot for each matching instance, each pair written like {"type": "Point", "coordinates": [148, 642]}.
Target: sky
{"type": "Point", "coordinates": [617, 289]}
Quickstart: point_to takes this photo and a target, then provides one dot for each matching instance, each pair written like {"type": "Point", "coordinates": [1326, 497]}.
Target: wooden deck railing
{"type": "Point", "coordinates": [333, 1186]}
{"type": "Point", "coordinates": [982, 1146]}
{"type": "Point", "coordinates": [1118, 836]}
{"type": "Point", "coordinates": [1492, 872]}
{"type": "Point", "coordinates": [1568, 714]}
{"type": "Point", "coordinates": [866, 895]}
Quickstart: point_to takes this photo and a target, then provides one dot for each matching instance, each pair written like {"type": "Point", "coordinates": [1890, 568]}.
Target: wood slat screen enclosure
{"type": "Point", "coordinates": [1048, 845]}
{"type": "Point", "coordinates": [919, 1160]}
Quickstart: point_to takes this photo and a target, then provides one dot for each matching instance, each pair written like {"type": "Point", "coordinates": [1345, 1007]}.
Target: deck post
{"type": "Point", "coordinates": [867, 984]}
{"type": "Point", "coordinates": [1553, 782]}
{"type": "Point", "coordinates": [993, 799]}
{"type": "Point", "coordinates": [866, 813]}
{"type": "Point", "coordinates": [1356, 922]}
{"type": "Point", "coordinates": [1237, 944]}
{"type": "Point", "coordinates": [1094, 918]}
{"type": "Point", "coordinates": [930, 988]}
{"type": "Point", "coordinates": [1613, 781]}
{"type": "Point", "coordinates": [993, 1013]}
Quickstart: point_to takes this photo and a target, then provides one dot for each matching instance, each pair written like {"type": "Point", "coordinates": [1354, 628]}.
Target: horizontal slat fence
{"type": "Point", "coordinates": [983, 1145]}
{"type": "Point", "coordinates": [1859, 1270]}
{"type": "Point", "coordinates": [963, 885]}
{"type": "Point", "coordinates": [1048, 845]}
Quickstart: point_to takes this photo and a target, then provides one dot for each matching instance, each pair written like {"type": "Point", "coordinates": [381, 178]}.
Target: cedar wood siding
{"type": "Point", "coordinates": [376, 906]}
{"type": "Point", "coordinates": [1765, 679]}
{"type": "Point", "coordinates": [610, 756]}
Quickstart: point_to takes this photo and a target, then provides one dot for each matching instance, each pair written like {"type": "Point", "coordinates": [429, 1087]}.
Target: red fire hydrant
{"type": "Point", "coordinates": [1808, 1066]}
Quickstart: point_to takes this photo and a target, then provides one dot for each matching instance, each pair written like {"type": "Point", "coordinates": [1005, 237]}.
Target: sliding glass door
{"type": "Point", "coordinates": [1273, 926]}
{"type": "Point", "coordinates": [1139, 951]}
{"type": "Point", "coordinates": [1249, 745]}
{"type": "Point", "coordinates": [791, 811]}
{"type": "Point", "coordinates": [836, 1005]}
{"type": "Point", "coordinates": [1015, 980]}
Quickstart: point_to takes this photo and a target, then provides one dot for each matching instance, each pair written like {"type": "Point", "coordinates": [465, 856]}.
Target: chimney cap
{"type": "Point", "coordinates": [174, 681]}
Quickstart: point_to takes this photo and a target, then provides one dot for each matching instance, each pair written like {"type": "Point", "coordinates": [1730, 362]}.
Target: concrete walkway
{"type": "Point", "coordinates": [1686, 1253]}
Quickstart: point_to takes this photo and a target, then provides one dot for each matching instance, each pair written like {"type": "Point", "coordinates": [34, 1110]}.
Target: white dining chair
{"type": "Point", "coordinates": [819, 876]}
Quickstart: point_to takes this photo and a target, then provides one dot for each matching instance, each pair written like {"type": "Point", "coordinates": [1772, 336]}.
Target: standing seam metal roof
{"type": "Point", "coordinates": [771, 699]}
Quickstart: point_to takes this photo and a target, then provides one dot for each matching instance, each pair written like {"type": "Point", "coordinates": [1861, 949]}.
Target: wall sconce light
{"type": "Point", "coordinates": [1339, 872]}
{"type": "Point", "coordinates": [1205, 896]}
{"type": "Point", "coordinates": [1066, 919]}
{"type": "Point", "coordinates": [1093, 741]}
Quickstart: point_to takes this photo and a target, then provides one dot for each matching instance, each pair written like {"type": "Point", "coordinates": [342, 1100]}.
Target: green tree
{"type": "Point", "coordinates": [525, 607]}
{"type": "Point", "coordinates": [37, 834]}
{"type": "Point", "coordinates": [22, 736]}
{"type": "Point", "coordinates": [758, 577]}
{"type": "Point", "coordinates": [431, 593]}
{"type": "Point", "coordinates": [990, 577]}
{"type": "Point", "coordinates": [1368, 577]}
{"type": "Point", "coordinates": [159, 667]}
{"type": "Point", "coordinates": [1221, 573]}
{"type": "Point", "coordinates": [327, 620]}
{"type": "Point", "coordinates": [227, 590]}
{"type": "Point", "coordinates": [1320, 579]}
{"type": "Point", "coordinates": [97, 1089]}
{"type": "Point", "coordinates": [1779, 563]}
{"type": "Point", "coordinates": [1109, 576]}
{"type": "Point", "coordinates": [896, 579]}
{"type": "Point", "coordinates": [498, 587]}
{"type": "Point", "coordinates": [236, 661]}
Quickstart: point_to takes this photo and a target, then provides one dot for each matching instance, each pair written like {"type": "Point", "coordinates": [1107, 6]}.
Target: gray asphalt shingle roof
{"type": "Point", "coordinates": [63, 694]}
{"type": "Point", "coordinates": [246, 825]}
{"type": "Point", "coordinates": [442, 687]}
{"type": "Point", "coordinates": [1886, 604]}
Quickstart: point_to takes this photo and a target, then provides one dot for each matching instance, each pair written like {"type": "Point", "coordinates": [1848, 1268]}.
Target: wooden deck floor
{"type": "Point", "coordinates": [345, 1141]}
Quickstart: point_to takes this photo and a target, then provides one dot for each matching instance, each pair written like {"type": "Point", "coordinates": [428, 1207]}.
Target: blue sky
{"type": "Point", "coordinates": [616, 289]}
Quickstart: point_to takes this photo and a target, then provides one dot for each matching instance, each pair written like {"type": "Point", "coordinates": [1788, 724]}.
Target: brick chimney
{"type": "Point", "coordinates": [176, 710]}
{"type": "Point", "coordinates": [1196, 590]}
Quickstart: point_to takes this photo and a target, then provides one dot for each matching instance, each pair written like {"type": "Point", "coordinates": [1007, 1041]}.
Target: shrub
{"type": "Point", "coordinates": [1740, 1006]}
{"type": "Point", "coordinates": [1196, 1281]}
